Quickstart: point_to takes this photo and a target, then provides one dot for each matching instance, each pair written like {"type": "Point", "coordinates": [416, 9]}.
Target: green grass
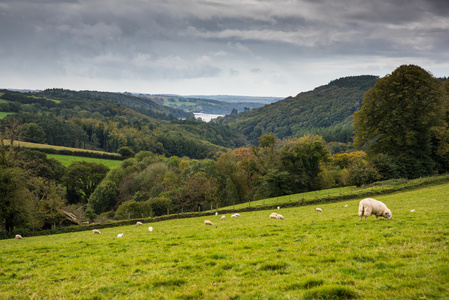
{"type": "Point", "coordinates": [66, 160]}
{"type": "Point", "coordinates": [338, 193]}
{"type": "Point", "coordinates": [309, 255]}
{"type": "Point", "coordinates": [4, 114]}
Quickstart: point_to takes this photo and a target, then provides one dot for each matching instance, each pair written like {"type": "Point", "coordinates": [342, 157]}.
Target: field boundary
{"type": "Point", "coordinates": [52, 149]}
{"type": "Point", "coordinates": [76, 228]}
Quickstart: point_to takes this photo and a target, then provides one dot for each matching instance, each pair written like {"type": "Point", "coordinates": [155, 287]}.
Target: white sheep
{"type": "Point", "coordinates": [207, 222]}
{"type": "Point", "coordinates": [346, 205]}
{"type": "Point", "coordinates": [139, 223]}
{"type": "Point", "coordinates": [150, 229]}
{"type": "Point", "coordinates": [280, 217]}
{"type": "Point", "coordinates": [235, 215]}
{"type": "Point", "coordinates": [369, 206]}
{"type": "Point", "coordinates": [318, 209]}
{"type": "Point", "coordinates": [18, 237]}
{"type": "Point", "coordinates": [120, 235]}
{"type": "Point", "coordinates": [96, 231]}
{"type": "Point", "coordinates": [216, 213]}
{"type": "Point", "coordinates": [413, 210]}
{"type": "Point", "coordinates": [223, 217]}
{"type": "Point", "coordinates": [279, 207]}
{"type": "Point", "coordinates": [273, 215]}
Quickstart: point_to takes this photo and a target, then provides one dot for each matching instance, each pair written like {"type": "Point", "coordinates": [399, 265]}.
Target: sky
{"type": "Point", "coordinates": [273, 48]}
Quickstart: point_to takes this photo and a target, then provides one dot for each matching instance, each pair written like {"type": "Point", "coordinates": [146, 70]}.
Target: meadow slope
{"type": "Point", "coordinates": [309, 255]}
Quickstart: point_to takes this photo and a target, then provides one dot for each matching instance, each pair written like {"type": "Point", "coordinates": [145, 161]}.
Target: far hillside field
{"type": "Point", "coordinates": [308, 255]}
{"type": "Point", "coordinates": [67, 160]}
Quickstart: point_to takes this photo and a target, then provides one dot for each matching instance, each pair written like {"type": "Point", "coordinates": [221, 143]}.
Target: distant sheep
{"type": "Point", "coordinates": [413, 210]}
{"type": "Point", "coordinates": [216, 213]}
{"type": "Point", "coordinates": [279, 207]}
{"type": "Point", "coordinates": [207, 222]}
{"type": "Point", "coordinates": [319, 209]}
{"type": "Point", "coordinates": [346, 205]}
{"type": "Point", "coordinates": [139, 223]}
{"type": "Point", "coordinates": [96, 231]}
{"type": "Point", "coordinates": [369, 206]}
{"type": "Point", "coordinates": [120, 235]}
{"type": "Point", "coordinates": [273, 215]}
{"type": "Point", "coordinates": [235, 215]}
{"type": "Point", "coordinates": [280, 217]}
{"type": "Point", "coordinates": [150, 229]}
{"type": "Point", "coordinates": [18, 237]}
{"type": "Point", "coordinates": [223, 217]}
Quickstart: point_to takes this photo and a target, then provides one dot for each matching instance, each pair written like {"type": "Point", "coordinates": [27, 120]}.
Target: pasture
{"type": "Point", "coordinates": [4, 114]}
{"type": "Point", "coordinates": [309, 255]}
{"type": "Point", "coordinates": [67, 160]}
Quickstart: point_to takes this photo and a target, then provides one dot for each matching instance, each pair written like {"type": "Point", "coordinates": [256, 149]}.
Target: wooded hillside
{"type": "Point", "coordinates": [110, 121]}
{"type": "Point", "coordinates": [327, 110]}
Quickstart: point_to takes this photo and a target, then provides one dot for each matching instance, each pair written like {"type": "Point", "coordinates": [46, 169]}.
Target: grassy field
{"type": "Point", "coordinates": [66, 160]}
{"type": "Point", "coordinates": [4, 114]}
{"type": "Point", "coordinates": [309, 255]}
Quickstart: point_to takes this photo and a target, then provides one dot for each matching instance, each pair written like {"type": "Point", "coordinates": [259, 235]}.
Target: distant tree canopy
{"type": "Point", "coordinates": [404, 116]}
{"type": "Point", "coordinates": [327, 111]}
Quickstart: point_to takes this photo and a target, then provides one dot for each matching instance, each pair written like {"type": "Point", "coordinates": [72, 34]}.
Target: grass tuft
{"type": "Point", "coordinates": [330, 292]}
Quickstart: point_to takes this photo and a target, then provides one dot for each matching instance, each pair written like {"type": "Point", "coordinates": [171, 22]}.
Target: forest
{"type": "Point", "coordinates": [327, 110]}
{"type": "Point", "coordinates": [175, 166]}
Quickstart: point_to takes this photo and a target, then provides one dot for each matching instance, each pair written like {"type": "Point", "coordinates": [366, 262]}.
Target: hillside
{"type": "Point", "coordinates": [142, 105]}
{"type": "Point", "coordinates": [108, 121]}
{"type": "Point", "coordinates": [222, 105]}
{"type": "Point", "coordinates": [326, 110]}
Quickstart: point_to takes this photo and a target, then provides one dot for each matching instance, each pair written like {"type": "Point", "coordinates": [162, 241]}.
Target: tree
{"type": "Point", "coordinates": [15, 198]}
{"type": "Point", "coordinates": [126, 152]}
{"type": "Point", "coordinates": [31, 132]}
{"type": "Point", "coordinates": [403, 116]}
{"type": "Point", "coordinates": [81, 179]}
{"type": "Point", "coordinates": [302, 159]}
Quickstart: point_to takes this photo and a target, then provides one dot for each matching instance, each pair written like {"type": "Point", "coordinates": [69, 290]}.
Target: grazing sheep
{"type": "Point", "coordinates": [235, 215]}
{"type": "Point", "coordinates": [18, 237]}
{"type": "Point", "coordinates": [207, 222]}
{"type": "Point", "coordinates": [413, 210]}
{"type": "Point", "coordinates": [223, 217]}
{"type": "Point", "coordinates": [279, 207]}
{"type": "Point", "coordinates": [346, 205]}
{"type": "Point", "coordinates": [280, 217]}
{"type": "Point", "coordinates": [273, 215]}
{"type": "Point", "coordinates": [120, 235]}
{"type": "Point", "coordinates": [216, 213]}
{"type": "Point", "coordinates": [370, 206]}
{"type": "Point", "coordinates": [96, 231]}
{"type": "Point", "coordinates": [150, 229]}
{"type": "Point", "coordinates": [319, 209]}
{"type": "Point", "coordinates": [139, 223]}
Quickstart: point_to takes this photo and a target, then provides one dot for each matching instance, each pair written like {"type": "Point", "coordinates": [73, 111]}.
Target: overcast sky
{"type": "Point", "coordinates": [208, 47]}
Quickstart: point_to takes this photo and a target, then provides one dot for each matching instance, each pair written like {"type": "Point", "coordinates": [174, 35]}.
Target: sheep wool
{"type": "Point", "coordinates": [370, 206]}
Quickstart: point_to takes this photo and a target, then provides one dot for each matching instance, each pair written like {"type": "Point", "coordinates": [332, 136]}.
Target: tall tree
{"type": "Point", "coordinates": [82, 178]}
{"type": "Point", "coordinates": [15, 198]}
{"type": "Point", "coordinates": [403, 116]}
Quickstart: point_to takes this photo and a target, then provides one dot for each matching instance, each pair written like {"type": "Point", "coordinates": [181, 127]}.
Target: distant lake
{"type": "Point", "coordinates": [206, 117]}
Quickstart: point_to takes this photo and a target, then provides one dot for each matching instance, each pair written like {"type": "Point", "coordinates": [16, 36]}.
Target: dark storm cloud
{"type": "Point", "coordinates": [180, 39]}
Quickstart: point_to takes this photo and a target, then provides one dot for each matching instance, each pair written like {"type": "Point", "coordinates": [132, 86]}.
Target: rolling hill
{"type": "Point", "coordinates": [326, 110]}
